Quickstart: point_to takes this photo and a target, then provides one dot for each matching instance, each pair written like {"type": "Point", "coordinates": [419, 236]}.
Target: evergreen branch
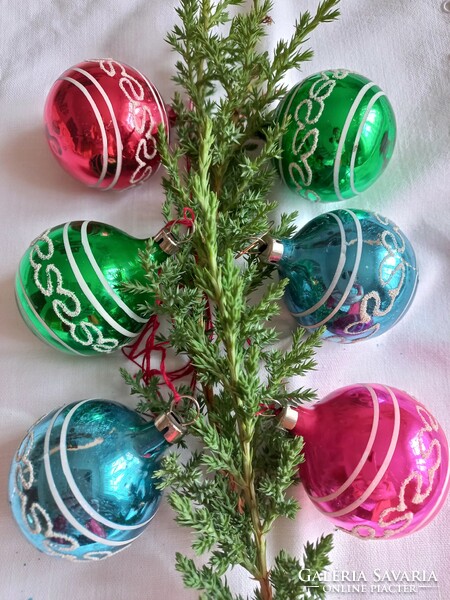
{"type": "Point", "coordinates": [293, 581]}
{"type": "Point", "coordinates": [232, 492]}
{"type": "Point", "coordinates": [204, 579]}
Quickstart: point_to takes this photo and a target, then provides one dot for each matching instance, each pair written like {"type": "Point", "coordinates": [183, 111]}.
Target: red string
{"type": "Point", "coordinates": [187, 219]}
{"type": "Point", "coordinates": [266, 407]}
{"type": "Point", "coordinates": [142, 350]}
{"type": "Point", "coordinates": [145, 346]}
{"type": "Point", "coordinates": [171, 115]}
{"type": "Point", "coordinates": [209, 323]}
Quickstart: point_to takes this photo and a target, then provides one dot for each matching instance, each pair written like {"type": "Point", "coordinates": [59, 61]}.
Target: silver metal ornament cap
{"type": "Point", "coordinates": [167, 242]}
{"type": "Point", "coordinates": [273, 250]}
{"type": "Point", "coordinates": [171, 428]}
{"type": "Point", "coordinates": [288, 418]}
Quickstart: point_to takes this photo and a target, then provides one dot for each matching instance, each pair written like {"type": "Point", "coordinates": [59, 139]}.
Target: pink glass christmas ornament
{"type": "Point", "coordinates": [377, 461]}
{"type": "Point", "coordinates": [102, 120]}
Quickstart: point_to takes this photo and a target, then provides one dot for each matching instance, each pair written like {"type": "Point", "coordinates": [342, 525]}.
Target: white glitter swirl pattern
{"type": "Point", "coordinates": [34, 516]}
{"type": "Point", "coordinates": [402, 513]}
{"type": "Point", "coordinates": [142, 117]}
{"type": "Point", "coordinates": [68, 306]}
{"type": "Point", "coordinates": [37, 519]}
{"type": "Point", "coordinates": [395, 246]}
{"type": "Point", "coordinates": [304, 146]}
{"type": "Point", "coordinates": [371, 303]}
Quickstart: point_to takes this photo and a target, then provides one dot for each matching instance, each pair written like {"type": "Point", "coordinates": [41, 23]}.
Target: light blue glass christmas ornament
{"type": "Point", "coordinates": [81, 484]}
{"type": "Point", "coordinates": [350, 270]}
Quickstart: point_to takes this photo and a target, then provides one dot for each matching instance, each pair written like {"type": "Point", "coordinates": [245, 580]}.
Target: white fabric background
{"type": "Point", "coordinates": [401, 45]}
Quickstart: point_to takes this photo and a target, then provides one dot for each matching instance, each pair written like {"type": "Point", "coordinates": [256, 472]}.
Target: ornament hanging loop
{"type": "Point", "coordinates": [266, 415]}
{"type": "Point", "coordinates": [172, 424]}
{"type": "Point", "coordinates": [166, 238]}
{"type": "Point", "coordinates": [258, 242]}
{"type": "Point", "coordinates": [270, 410]}
{"type": "Point", "coordinates": [187, 221]}
{"type": "Point", "coordinates": [193, 403]}
{"type": "Point", "coordinates": [255, 245]}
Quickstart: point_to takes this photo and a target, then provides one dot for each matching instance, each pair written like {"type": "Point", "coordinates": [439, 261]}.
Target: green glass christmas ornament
{"type": "Point", "coordinates": [339, 138]}
{"type": "Point", "coordinates": [68, 285]}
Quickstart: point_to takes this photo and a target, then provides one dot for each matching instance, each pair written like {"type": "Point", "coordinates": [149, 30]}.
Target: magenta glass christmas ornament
{"type": "Point", "coordinates": [101, 119]}
{"type": "Point", "coordinates": [376, 460]}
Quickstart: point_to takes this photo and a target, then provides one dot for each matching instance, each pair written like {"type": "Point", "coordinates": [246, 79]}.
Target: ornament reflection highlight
{"type": "Point", "coordinates": [81, 483]}
{"type": "Point", "coordinates": [102, 120]}
{"type": "Point", "coordinates": [376, 460]}
{"type": "Point", "coordinates": [339, 135]}
{"type": "Point", "coordinates": [352, 271]}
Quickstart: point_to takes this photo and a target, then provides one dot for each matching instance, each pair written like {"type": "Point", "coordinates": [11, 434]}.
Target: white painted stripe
{"type": "Point", "coordinates": [59, 501]}
{"type": "Point", "coordinates": [340, 148]}
{"type": "Point", "coordinates": [86, 290]}
{"type": "Point", "coordinates": [102, 278]}
{"type": "Point", "coordinates": [358, 139]}
{"type": "Point", "coordinates": [384, 467]}
{"type": "Point", "coordinates": [119, 145]}
{"type": "Point", "coordinates": [72, 483]}
{"type": "Point", "coordinates": [159, 101]}
{"type": "Point", "coordinates": [44, 324]}
{"type": "Point", "coordinates": [338, 273]}
{"type": "Point", "coordinates": [280, 160]}
{"type": "Point", "coordinates": [351, 281]}
{"type": "Point", "coordinates": [365, 454]}
{"type": "Point", "coordinates": [101, 125]}
{"type": "Point", "coordinates": [162, 111]}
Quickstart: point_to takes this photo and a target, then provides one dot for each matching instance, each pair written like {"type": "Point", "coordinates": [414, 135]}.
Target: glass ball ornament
{"type": "Point", "coordinates": [69, 285]}
{"type": "Point", "coordinates": [81, 483]}
{"type": "Point", "coordinates": [339, 138]}
{"type": "Point", "coordinates": [101, 120]}
{"type": "Point", "coordinates": [376, 460]}
{"type": "Point", "coordinates": [349, 270]}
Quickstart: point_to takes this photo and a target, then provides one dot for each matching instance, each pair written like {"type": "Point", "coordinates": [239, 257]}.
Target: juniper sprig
{"type": "Point", "coordinates": [232, 492]}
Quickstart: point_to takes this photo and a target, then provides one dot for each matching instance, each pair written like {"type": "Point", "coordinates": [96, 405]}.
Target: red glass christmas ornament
{"type": "Point", "coordinates": [102, 120]}
{"type": "Point", "coordinates": [376, 460]}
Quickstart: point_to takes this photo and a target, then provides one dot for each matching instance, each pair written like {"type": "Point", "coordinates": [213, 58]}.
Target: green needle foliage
{"type": "Point", "coordinates": [233, 491]}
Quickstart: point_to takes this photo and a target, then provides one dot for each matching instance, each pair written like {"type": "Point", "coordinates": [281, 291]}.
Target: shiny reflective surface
{"type": "Point", "coordinates": [101, 119]}
{"type": "Point", "coordinates": [339, 138]}
{"type": "Point", "coordinates": [81, 482]}
{"type": "Point", "coordinates": [69, 287]}
{"type": "Point", "coordinates": [377, 461]}
{"type": "Point", "coordinates": [353, 271]}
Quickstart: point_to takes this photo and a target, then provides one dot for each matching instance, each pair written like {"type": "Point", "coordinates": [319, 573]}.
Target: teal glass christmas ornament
{"type": "Point", "coordinates": [69, 285]}
{"type": "Point", "coordinates": [81, 483]}
{"type": "Point", "coordinates": [339, 138]}
{"type": "Point", "coordinates": [352, 271]}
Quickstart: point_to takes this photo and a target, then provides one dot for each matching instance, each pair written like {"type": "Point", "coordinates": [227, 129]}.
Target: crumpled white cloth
{"type": "Point", "coordinates": [404, 47]}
